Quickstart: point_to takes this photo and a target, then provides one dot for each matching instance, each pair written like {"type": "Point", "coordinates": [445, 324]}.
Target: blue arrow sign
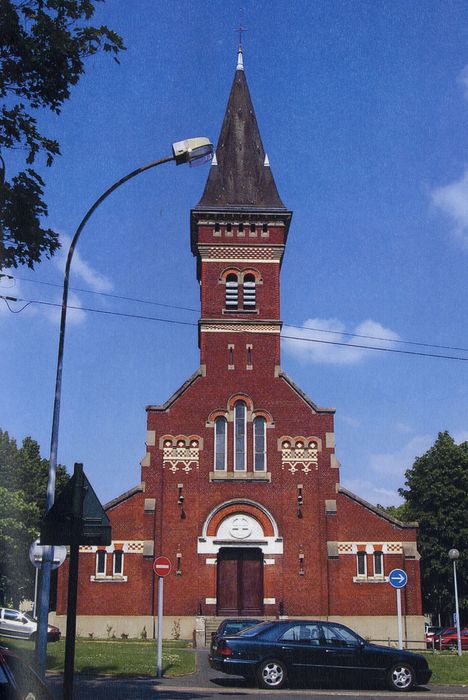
{"type": "Point", "coordinates": [398, 578]}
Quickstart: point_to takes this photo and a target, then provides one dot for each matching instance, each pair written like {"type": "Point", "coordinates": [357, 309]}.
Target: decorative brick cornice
{"type": "Point", "coordinates": [241, 326]}
{"type": "Point", "coordinates": [247, 253]}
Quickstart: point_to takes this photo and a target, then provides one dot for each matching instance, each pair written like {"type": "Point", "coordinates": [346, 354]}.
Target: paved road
{"type": "Point", "coordinates": [206, 683]}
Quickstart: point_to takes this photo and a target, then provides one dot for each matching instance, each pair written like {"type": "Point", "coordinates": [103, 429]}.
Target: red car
{"type": "Point", "coordinates": [18, 681]}
{"type": "Point", "coordinates": [448, 639]}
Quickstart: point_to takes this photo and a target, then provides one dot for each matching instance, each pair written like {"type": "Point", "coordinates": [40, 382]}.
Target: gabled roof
{"type": "Point", "coordinates": [302, 394]}
{"type": "Point", "coordinates": [240, 175]}
{"type": "Point", "coordinates": [377, 511]}
{"type": "Point", "coordinates": [200, 372]}
{"type": "Point", "coordinates": [124, 496]}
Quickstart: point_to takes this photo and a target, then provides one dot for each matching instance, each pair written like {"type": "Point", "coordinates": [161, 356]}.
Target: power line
{"type": "Point", "coordinates": [288, 337]}
{"type": "Point", "coordinates": [288, 325]}
{"type": "Point", "coordinates": [103, 294]}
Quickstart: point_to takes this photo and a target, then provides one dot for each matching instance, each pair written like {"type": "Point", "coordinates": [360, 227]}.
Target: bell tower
{"type": "Point", "coordinates": [238, 235]}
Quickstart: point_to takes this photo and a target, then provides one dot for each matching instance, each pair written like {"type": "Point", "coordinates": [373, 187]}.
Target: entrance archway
{"type": "Point", "coordinates": [239, 581]}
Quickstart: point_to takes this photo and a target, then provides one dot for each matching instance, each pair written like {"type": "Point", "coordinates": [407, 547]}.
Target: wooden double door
{"type": "Point", "coordinates": [239, 582]}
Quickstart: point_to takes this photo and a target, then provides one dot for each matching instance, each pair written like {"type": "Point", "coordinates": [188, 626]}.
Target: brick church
{"type": "Point", "coordinates": [240, 484]}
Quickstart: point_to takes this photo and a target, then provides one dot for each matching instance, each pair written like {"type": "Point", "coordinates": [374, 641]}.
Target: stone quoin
{"type": "Point", "coordinates": [240, 484]}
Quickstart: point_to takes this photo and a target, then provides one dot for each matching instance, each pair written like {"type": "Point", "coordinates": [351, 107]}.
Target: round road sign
{"type": "Point", "coordinates": [162, 566]}
{"type": "Point", "coordinates": [36, 552]}
{"type": "Point", "coordinates": [398, 578]}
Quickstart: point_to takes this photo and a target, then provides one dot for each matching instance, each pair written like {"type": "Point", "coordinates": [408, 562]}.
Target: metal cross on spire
{"type": "Point", "coordinates": [240, 30]}
{"type": "Point", "coordinates": [240, 61]}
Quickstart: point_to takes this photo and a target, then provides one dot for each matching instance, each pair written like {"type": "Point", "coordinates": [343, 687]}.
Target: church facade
{"type": "Point", "coordinates": [240, 484]}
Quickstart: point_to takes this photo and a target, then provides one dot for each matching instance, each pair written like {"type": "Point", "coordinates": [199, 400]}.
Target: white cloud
{"type": "Point", "coordinates": [403, 428]}
{"type": "Point", "coordinates": [372, 493]}
{"type": "Point", "coordinates": [463, 80]}
{"type": "Point", "coordinates": [74, 316]}
{"type": "Point", "coordinates": [394, 464]}
{"type": "Point", "coordinates": [352, 422]}
{"type": "Point", "coordinates": [332, 331]}
{"type": "Point", "coordinates": [460, 436]}
{"type": "Point", "coordinates": [452, 199]}
{"type": "Point", "coordinates": [96, 280]}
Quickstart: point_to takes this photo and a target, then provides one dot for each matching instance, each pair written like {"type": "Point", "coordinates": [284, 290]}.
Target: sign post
{"type": "Point", "coordinates": [161, 567]}
{"type": "Point", "coordinates": [36, 555]}
{"type": "Point", "coordinates": [398, 579]}
{"type": "Point", "coordinates": [77, 517]}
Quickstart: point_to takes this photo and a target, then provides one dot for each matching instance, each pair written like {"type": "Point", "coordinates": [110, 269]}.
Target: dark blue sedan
{"type": "Point", "coordinates": [273, 652]}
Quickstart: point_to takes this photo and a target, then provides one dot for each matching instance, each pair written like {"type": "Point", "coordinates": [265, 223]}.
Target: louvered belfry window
{"type": "Point", "coordinates": [249, 292]}
{"type": "Point", "coordinates": [232, 292]}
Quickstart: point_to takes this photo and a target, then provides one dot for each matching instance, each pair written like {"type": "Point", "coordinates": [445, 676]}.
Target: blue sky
{"type": "Point", "coordinates": [363, 110]}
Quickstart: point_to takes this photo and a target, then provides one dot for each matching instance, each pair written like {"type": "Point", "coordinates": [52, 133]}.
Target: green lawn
{"type": "Point", "coordinates": [448, 668]}
{"type": "Point", "coordinates": [118, 658]}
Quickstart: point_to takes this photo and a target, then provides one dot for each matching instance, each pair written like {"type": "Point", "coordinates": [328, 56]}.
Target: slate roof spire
{"type": "Point", "coordinates": [240, 176]}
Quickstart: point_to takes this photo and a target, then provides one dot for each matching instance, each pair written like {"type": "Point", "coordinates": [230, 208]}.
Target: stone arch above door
{"type": "Point", "coordinates": [240, 522]}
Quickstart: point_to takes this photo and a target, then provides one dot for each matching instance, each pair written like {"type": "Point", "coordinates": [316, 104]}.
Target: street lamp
{"type": "Point", "coordinates": [193, 151]}
{"type": "Point", "coordinates": [454, 554]}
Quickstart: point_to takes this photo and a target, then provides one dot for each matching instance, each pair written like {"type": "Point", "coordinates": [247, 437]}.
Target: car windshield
{"type": "Point", "coordinates": [29, 617]}
{"type": "Point", "coordinates": [256, 629]}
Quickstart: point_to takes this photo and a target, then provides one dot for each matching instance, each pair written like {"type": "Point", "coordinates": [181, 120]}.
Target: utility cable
{"type": "Point", "coordinates": [288, 325]}
{"type": "Point", "coordinates": [288, 337]}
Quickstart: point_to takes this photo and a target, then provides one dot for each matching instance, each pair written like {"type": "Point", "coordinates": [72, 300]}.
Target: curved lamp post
{"type": "Point", "coordinates": [193, 151]}
{"type": "Point", "coordinates": [454, 554]}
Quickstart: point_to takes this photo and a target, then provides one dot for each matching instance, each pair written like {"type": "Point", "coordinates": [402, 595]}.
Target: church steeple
{"type": "Point", "coordinates": [240, 176]}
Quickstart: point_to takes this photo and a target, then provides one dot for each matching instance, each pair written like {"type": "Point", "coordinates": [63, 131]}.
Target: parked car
{"type": "Point", "coordinates": [431, 633]}
{"type": "Point", "coordinates": [280, 651]}
{"type": "Point", "coordinates": [14, 623]}
{"type": "Point", "coordinates": [229, 627]}
{"type": "Point", "coordinates": [449, 639]}
{"type": "Point", "coordinates": [438, 635]}
{"type": "Point", "coordinates": [18, 681]}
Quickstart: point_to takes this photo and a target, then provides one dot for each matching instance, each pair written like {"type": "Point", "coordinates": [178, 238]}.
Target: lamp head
{"type": "Point", "coordinates": [194, 151]}
{"type": "Point", "coordinates": [454, 554]}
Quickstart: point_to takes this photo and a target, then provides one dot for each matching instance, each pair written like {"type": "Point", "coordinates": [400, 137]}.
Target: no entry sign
{"type": "Point", "coordinates": [162, 566]}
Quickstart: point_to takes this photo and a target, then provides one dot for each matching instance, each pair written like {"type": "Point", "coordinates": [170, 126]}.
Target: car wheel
{"type": "Point", "coordinates": [272, 674]}
{"type": "Point", "coordinates": [400, 677]}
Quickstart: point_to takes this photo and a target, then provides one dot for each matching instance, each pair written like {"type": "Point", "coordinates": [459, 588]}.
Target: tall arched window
{"type": "Point", "coordinates": [249, 292]}
{"type": "Point", "coordinates": [220, 444]}
{"type": "Point", "coordinates": [240, 434]}
{"type": "Point", "coordinates": [259, 444]}
{"type": "Point", "coordinates": [118, 562]}
{"type": "Point", "coordinates": [101, 562]}
{"type": "Point", "coordinates": [232, 291]}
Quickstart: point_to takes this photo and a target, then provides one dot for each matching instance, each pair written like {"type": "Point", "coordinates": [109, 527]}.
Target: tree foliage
{"type": "Point", "coordinates": [43, 47]}
{"type": "Point", "coordinates": [23, 484]}
{"type": "Point", "coordinates": [436, 495]}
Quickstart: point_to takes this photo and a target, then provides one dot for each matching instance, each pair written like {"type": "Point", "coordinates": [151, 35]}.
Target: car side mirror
{"type": "Point", "coordinates": [24, 621]}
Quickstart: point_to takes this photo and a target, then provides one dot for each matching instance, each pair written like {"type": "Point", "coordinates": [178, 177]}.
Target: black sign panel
{"type": "Point", "coordinates": [77, 513]}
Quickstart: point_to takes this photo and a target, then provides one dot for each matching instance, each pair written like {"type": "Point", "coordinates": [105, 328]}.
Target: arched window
{"type": "Point", "coordinates": [361, 564]}
{"type": "Point", "coordinates": [232, 291]}
{"type": "Point", "coordinates": [378, 564]}
{"type": "Point", "coordinates": [240, 434]}
{"type": "Point", "coordinates": [220, 444]}
{"type": "Point", "coordinates": [101, 562]}
{"type": "Point", "coordinates": [118, 562]}
{"type": "Point", "coordinates": [259, 444]}
{"type": "Point", "coordinates": [249, 292]}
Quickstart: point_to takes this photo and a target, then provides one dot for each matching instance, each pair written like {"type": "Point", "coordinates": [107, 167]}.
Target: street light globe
{"type": "Point", "coordinates": [193, 151]}
{"type": "Point", "coordinates": [454, 554]}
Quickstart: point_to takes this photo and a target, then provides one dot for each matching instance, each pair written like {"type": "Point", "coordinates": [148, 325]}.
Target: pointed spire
{"type": "Point", "coordinates": [242, 177]}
